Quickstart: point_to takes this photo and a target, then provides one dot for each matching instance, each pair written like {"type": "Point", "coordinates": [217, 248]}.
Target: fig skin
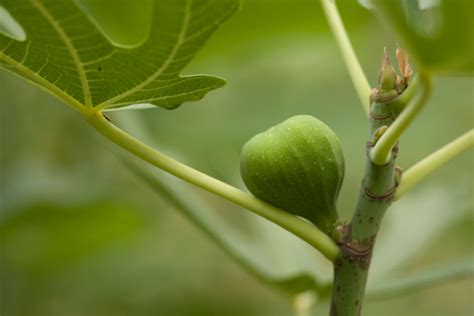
{"type": "Point", "coordinates": [298, 166]}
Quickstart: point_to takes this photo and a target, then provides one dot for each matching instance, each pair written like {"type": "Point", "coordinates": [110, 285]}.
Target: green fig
{"type": "Point", "coordinates": [298, 166]}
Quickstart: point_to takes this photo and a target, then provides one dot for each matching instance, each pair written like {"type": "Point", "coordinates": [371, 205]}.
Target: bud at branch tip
{"type": "Point", "coordinates": [387, 74]}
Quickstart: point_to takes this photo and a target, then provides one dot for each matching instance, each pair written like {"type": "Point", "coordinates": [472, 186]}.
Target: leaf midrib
{"type": "Point", "coordinates": [72, 50]}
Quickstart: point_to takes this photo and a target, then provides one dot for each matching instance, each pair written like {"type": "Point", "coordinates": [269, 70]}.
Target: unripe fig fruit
{"type": "Point", "coordinates": [298, 166]}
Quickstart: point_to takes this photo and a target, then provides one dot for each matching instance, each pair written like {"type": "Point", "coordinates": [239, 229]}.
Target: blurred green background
{"type": "Point", "coordinates": [81, 235]}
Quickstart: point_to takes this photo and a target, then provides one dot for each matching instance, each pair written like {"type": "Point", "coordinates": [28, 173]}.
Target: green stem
{"type": "Point", "coordinates": [433, 162]}
{"type": "Point", "coordinates": [380, 154]}
{"type": "Point", "coordinates": [378, 187]}
{"type": "Point", "coordinates": [294, 224]}
{"type": "Point", "coordinates": [359, 80]}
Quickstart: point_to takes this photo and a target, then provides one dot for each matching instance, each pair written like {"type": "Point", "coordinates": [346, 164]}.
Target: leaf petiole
{"type": "Point", "coordinates": [409, 93]}
{"type": "Point", "coordinates": [433, 162]}
{"type": "Point", "coordinates": [359, 80]}
{"type": "Point", "coordinates": [288, 221]}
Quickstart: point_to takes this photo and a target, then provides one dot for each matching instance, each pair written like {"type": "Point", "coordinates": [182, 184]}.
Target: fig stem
{"type": "Point", "coordinates": [301, 228]}
{"type": "Point", "coordinates": [433, 162]}
{"type": "Point", "coordinates": [351, 269]}
{"type": "Point", "coordinates": [359, 80]}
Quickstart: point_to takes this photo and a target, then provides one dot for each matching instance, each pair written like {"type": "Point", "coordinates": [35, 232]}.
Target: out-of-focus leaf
{"type": "Point", "coordinates": [69, 56]}
{"type": "Point", "coordinates": [46, 237]}
{"type": "Point", "coordinates": [424, 279]}
{"type": "Point", "coordinates": [439, 36]}
{"type": "Point", "coordinates": [424, 4]}
{"type": "Point", "coordinates": [412, 224]}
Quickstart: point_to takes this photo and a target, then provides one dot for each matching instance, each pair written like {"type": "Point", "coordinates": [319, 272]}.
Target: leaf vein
{"type": "Point", "coordinates": [27, 51]}
{"type": "Point", "coordinates": [94, 61]}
